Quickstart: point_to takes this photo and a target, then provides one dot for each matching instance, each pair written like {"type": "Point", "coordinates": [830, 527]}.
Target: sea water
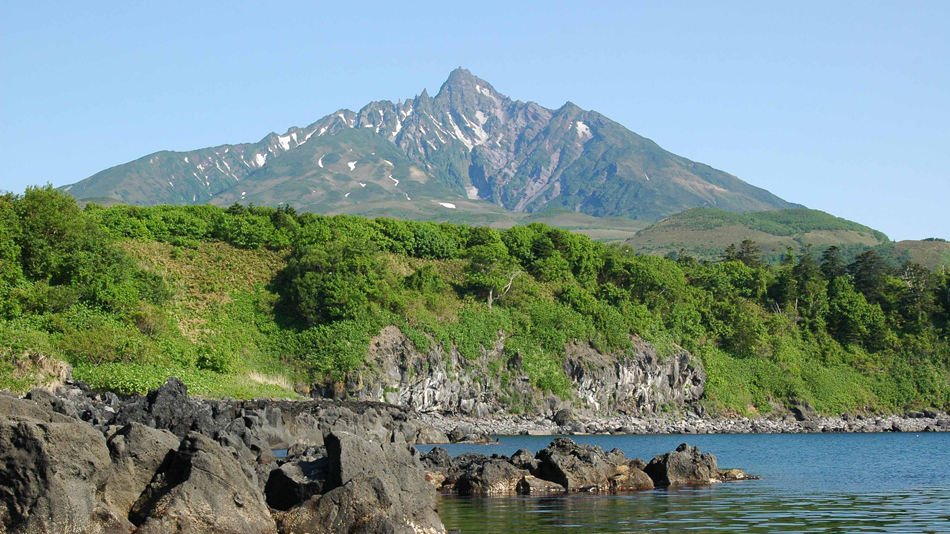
{"type": "Point", "coordinates": [810, 483]}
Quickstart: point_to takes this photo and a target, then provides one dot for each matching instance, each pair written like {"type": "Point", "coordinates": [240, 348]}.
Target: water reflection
{"type": "Point", "coordinates": [896, 483]}
{"type": "Point", "coordinates": [701, 510]}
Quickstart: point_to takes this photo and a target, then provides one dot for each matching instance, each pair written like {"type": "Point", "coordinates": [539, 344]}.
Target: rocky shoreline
{"type": "Point", "coordinates": [563, 423]}
{"type": "Point", "coordinates": [77, 460]}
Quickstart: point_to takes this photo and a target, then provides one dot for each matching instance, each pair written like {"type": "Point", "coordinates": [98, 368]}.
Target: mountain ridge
{"type": "Point", "coordinates": [468, 143]}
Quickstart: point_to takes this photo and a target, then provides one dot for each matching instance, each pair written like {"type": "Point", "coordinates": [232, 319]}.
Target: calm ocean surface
{"type": "Point", "coordinates": [810, 483]}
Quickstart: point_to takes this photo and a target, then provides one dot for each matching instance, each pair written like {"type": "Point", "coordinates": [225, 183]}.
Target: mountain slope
{"type": "Point", "coordinates": [705, 233]}
{"type": "Point", "coordinates": [468, 143]}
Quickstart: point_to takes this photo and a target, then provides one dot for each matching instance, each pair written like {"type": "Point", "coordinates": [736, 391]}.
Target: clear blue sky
{"type": "Point", "coordinates": [841, 106]}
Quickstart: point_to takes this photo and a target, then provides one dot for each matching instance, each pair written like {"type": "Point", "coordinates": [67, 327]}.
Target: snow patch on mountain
{"type": "Point", "coordinates": [583, 131]}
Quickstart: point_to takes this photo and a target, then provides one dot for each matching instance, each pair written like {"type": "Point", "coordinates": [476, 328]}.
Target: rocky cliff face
{"type": "Point", "coordinates": [640, 382]}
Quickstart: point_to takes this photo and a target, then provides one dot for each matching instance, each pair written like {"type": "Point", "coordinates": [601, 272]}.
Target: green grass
{"type": "Point", "coordinates": [705, 233]}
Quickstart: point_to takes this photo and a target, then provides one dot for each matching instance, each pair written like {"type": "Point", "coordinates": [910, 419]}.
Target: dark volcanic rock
{"type": "Point", "coordinates": [294, 483]}
{"type": "Point", "coordinates": [364, 505]}
{"type": "Point", "coordinates": [168, 408]}
{"type": "Point", "coordinates": [492, 477]}
{"type": "Point", "coordinates": [533, 485]}
{"type": "Point", "coordinates": [576, 467]}
{"type": "Point", "coordinates": [630, 478]}
{"type": "Point", "coordinates": [684, 466]}
{"type": "Point", "coordinates": [49, 474]}
{"type": "Point", "coordinates": [202, 488]}
{"type": "Point", "coordinates": [137, 453]}
{"type": "Point", "coordinates": [398, 469]}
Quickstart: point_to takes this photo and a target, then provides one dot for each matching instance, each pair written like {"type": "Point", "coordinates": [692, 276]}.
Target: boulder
{"type": "Point", "coordinates": [532, 485]}
{"type": "Point", "coordinates": [27, 410]}
{"type": "Point", "coordinates": [493, 477]}
{"type": "Point", "coordinates": [576, 467]}
{"type": "Point", "coordinates": [168, 408]}
{"type": "Point", "coordinates": [630, 478]}
{"type": "Point", "coordinates": [524, 459]}
{"type": "Point", "coordinates": [137, 453]}
{"type": "Point", "coordinates": [202, 488]}
{"type": "Point", "coordinates": [294, 483]}
{"type": "Point", "coordinates": [438, 459]}
{"type": "Point", "coordinates": [398, 470]}
{"type": "Point", "coordinates": [684, 466]}
{"type": "Point", "coordinates": [364, 505]}
{"type": "Point", "coordinates": [428, 434]}
{"type": "Point", "coordinates": [562, 417]}
{"type": "Point", "coordinates": [49, 474]}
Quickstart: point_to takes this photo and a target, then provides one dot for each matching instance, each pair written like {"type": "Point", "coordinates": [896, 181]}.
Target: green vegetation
{"type": "Point", "coordinates": [704, 233]}
{"type": "Point", "coordinates": [250, 301]}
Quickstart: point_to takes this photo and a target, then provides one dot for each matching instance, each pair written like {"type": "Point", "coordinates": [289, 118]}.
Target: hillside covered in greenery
{"type": "Point", "coordinates": [705, 233]}
{"type": "Point", "coordinates": [250, 301]}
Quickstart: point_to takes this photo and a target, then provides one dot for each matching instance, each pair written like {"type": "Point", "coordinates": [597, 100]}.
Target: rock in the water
{"type": "Point", "coordinates": [364, 505]}
{"type": "Point", "coordinates": [576, 467]}
{"type": "Point", "coordinates": [684, 466]}
{"type": "Point", "coordinates": [400, 474]}
{"type": "Point", "coordinates": [493, 477]}
{"type": "Point", "coordinates": [202, 488]}
{"type": "Point", "coordinates": [533, 485]}
{"type": "Point", "coordinates": [630, 478]}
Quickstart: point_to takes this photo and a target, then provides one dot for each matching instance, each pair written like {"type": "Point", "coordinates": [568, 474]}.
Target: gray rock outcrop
{"type": "Point", "coordinates": [441, 380]}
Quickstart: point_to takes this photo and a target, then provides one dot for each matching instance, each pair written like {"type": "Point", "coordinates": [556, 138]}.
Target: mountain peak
{"type": "Point", "coordinates": [469, 143]}
{"type": "Point", "coordinates": [462, 83]}
{"type": "Point", "coordinates": [459, 75]}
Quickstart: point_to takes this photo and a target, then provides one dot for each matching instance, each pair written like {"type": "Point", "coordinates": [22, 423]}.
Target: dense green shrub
{"type": "Point", "coordinates": [842, 330]}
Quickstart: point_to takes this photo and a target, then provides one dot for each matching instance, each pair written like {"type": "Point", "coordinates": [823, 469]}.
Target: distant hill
{"type": "Point", "coordinates": [705, 233]}
{"type": "Point", "coordinates": [469, 154]}
{"type": "Point", "coordinates": [932, 254]}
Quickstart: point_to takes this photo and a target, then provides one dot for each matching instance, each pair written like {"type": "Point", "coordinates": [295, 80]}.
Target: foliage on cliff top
{"type": "Point", "coordinates": [248, 301]}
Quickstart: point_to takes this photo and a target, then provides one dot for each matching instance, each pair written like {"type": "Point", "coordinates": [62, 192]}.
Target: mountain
{"type": "Point", "coordinates": [705, 233]}
{"type": "Point", "coordinates": [469, 149]}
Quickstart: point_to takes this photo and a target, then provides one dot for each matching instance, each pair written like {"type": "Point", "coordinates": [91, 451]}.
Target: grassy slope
{"type": "Point", "coordinates": [220, 301]}
{"type": "Point", "coordinates": [930, 254]}
{"type": "Point", "coordinates": [705, 233]}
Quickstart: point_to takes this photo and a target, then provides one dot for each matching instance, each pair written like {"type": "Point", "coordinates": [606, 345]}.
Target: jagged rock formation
{"type": "Point", "coordinates": [430, 154]}
{"type": "Point", "coordinates": [81, 461]}
{"type": "Point", "coordinates": [442, 380]}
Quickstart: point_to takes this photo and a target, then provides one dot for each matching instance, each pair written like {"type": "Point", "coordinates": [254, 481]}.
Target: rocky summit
{"type": "Point", "coordinates": [467, 151]}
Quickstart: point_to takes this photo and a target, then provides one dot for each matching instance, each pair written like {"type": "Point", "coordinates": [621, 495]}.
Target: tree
{"type": "Point", "coordinates": [917, 302]}
{"type": "Point", "coordinates": [336, 281]}
{"type": "Point", "coordinates": [869, 273]}
{"type": "Point", "coordinates": [730, 254]}
{"type": "Point", "coordinates": [749, 253]}
{"type": "Point", "coordinates": [10, 269]}
{"type": "Point", "coordinates": [491, 271]}
{"type": "Point", "coordinates": [851, 319]}
{"type": "Point", "coordinates": [832, 266]}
